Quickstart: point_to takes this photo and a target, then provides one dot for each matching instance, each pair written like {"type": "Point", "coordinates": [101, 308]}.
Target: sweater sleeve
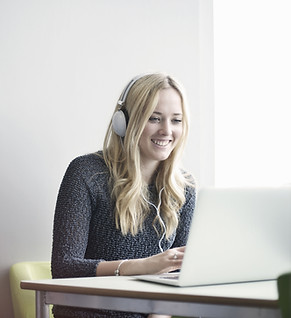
{"type": "Point", "coordinates": [71, 226]}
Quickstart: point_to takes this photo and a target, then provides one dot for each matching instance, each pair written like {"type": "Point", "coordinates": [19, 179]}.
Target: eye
{"type": "Point", "coordinates": [177, 121]}
{"type": "Point", "coordinates": [155, 119]}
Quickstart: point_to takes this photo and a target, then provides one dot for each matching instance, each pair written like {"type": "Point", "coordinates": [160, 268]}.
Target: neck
{"type": "Point", "coordinates": [148, 172]}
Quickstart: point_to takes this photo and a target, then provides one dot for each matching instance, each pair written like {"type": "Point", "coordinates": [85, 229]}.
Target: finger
{"type": "Point", "coordinates": [177, 252]}
{"type": "Point", "coordinates": [181, 248]}
{"type": "Point", "coordinates": [176, 255]}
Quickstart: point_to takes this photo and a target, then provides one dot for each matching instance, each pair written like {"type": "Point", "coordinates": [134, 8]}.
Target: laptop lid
{"type": "Point", "coordinates": [238, 235]}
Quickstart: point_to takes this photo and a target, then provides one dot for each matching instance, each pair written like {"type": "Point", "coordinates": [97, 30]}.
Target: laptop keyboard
{"type": "Point", "coordinates": [174, 277]}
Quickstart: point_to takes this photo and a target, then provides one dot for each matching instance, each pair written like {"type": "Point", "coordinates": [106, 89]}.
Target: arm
{"type": "Point", "coordinates": [71, 226]}
{"type": "Point", "coordinates": [156, 264]}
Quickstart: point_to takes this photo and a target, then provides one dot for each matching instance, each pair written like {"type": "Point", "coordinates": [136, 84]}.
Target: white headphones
{"type": "Point", "coordinates": [120, 117]}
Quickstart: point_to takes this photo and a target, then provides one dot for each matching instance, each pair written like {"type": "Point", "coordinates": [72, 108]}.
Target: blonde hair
{"type": "Point", "coordinates": [122, 157]}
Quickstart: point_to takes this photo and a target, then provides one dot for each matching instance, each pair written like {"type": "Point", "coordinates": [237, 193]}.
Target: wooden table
{"type": "Point", "coordinates": [245, 300]}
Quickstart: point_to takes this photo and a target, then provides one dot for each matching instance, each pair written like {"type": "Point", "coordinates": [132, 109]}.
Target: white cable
{"type": "Point", "coordinates": [157, 208]}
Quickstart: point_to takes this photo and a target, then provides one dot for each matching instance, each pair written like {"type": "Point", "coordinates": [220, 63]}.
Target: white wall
{"type": "Point", "coordinates": [252, 92]}
{"type": "Point", "coordinates": [63, 65]}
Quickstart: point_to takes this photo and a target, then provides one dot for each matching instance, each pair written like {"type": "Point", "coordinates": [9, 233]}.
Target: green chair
{"type": "Point", "coordinates": [24, 300]}
{"type": "Point", "coordinates": [284, 289]}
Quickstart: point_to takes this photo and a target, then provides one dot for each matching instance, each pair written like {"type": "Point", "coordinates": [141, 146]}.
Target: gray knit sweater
{"type": "Point", "coordinates": [85, 234]}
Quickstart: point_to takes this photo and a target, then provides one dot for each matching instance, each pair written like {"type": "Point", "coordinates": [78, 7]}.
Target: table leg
{"type": "Point", "coordinates": [42, 309]}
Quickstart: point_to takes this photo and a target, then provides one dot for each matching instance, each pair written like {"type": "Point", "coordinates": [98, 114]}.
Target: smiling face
{"type": "Point", "coordinates": [163, 129]}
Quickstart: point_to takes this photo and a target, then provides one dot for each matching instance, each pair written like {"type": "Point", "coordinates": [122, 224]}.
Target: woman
{"type": "Point", "coordinates": [126, 210]}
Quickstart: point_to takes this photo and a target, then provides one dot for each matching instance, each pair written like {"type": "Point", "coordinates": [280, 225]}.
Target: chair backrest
{"type": "Point", "coordinates": [24, 300]}
{"type": "Point", "coordinates": [284, 289]}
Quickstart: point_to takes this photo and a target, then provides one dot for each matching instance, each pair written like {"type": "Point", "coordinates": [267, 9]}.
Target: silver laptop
{"type": "Point", "coordinates": [237, 235]}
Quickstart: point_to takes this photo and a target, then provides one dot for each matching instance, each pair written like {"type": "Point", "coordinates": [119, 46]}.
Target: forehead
{"type": "Point", "coordinates": [169, 101]}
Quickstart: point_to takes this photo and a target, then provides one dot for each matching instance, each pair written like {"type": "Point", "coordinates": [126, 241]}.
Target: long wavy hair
{"type": "Point", "coordinates": [122, 156]}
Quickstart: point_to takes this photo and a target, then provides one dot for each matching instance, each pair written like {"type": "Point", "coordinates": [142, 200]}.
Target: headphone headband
{"type": "Point", "coordinates": [125, 92]}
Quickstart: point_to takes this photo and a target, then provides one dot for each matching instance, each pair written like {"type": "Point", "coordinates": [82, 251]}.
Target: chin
{"type": "Point", "coordinates": [163, 158]}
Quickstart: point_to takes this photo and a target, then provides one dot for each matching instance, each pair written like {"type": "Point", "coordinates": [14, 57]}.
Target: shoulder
{"type": "Point", "coordinates": [189, 181]}
{"type": "Point", "coordinates": [88, 165]}
{"type": "Point", "coordinates": [92, 160]}
{"type": "Point", "coordinates": [189, 188]}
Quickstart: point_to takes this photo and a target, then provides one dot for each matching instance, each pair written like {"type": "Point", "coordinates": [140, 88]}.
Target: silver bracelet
{"type": "Point", "coordinates": [117, 271]}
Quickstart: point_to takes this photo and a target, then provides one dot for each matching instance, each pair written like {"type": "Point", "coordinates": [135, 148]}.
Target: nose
{"type": "Point", "coordinates": [166, 129]}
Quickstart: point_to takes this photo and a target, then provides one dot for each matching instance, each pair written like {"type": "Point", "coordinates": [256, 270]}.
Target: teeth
{"type": "Point", "coordinates": [161, 142]}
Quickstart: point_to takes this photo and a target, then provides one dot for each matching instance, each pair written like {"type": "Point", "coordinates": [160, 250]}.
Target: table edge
{"type": "Point", "coordinates": [186, 298]}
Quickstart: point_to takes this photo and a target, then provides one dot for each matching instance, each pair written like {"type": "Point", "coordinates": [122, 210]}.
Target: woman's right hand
{"type": "Point", "coordinates": [165, 262]}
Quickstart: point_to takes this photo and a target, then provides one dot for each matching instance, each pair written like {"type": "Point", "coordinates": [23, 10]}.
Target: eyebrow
{"type": "Point", "coordinates": [175, 114]}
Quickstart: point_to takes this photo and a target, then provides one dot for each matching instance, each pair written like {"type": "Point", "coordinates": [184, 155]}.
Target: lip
{"type": "Point", "coordinates": [161, 142]}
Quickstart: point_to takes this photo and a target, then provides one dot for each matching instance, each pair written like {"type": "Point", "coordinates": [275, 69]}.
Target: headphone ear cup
{"type": "Point", "coordinates": [120, 118]}
{"type": "Point", "coordinates": [119, 123]}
